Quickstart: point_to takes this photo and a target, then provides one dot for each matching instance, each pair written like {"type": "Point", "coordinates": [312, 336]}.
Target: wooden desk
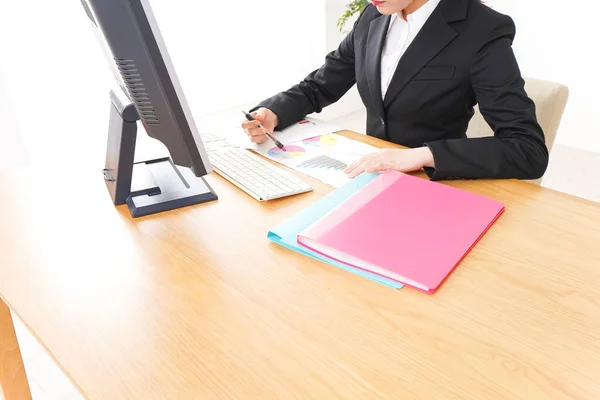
{"type": "Point", "coordinates": [197, 304]}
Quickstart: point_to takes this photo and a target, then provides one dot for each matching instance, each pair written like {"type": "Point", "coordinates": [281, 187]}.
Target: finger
{"type": "Point", "coordinates": [377, 167]}
{"type": "Point", "coordinates": [368, 158]}
{"type": "Point", "coordinates": [247, 125]}
{"type": "Point", "coordinates": [258, 139]}
{"type": "Point", "coordinates": [266, 123]}
{"type": "Point", "coordinates": [256, 132]}
{"type": "Point", "coordinates": [358, 170]}
{"type": "Point", "coordinates": [358, 162]}
{"type": "Point", "coordinates": [373, 165]}
{"type": "Point", "coordinates": [260, 115]}
{"type": "Point", "coordinates": [352, 166]}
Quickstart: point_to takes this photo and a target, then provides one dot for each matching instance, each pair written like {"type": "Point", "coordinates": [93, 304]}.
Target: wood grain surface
{"type": "Point", "coordinates": [13, 380]}
{"type": "Point", "coordinates": [197, 304]}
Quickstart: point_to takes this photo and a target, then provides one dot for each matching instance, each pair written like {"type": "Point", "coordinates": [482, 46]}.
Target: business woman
{"type": "Point", "coordinates": [420, 67]}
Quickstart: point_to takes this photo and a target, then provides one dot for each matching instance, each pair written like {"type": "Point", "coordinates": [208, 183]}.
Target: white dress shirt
{"type": "Point", "coordinates": [400, 35]}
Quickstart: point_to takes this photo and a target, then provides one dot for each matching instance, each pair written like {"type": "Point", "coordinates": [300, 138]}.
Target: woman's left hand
{"type": "Point", "coordinates": [396, 159]}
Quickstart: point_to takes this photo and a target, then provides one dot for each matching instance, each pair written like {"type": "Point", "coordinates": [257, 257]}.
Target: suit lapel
{"type": "Point", "coordinates": [435, 35]}
{"type": "Point", "coordinates": [375, 40]}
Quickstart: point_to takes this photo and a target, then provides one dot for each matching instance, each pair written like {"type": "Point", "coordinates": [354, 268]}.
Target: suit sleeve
{"type": "Point", "coordinates": [320, 88]}
{"type": "Point", "coordinates": [517, 149]}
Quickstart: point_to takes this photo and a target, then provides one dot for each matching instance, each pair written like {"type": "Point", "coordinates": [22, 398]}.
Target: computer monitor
{"type": "Point", "coordinates": [148, 90]}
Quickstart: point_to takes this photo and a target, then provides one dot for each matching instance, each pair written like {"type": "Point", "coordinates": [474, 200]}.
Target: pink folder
{"type": "Point", "coordinates": [405, 228]}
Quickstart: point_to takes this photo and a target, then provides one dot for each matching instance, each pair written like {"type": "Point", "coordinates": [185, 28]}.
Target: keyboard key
{"type": "Point", "coordinates": [251, 173]}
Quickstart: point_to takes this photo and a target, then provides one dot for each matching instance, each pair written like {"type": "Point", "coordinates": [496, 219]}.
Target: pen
{"type": "Point", "coordinates": [249, 117]}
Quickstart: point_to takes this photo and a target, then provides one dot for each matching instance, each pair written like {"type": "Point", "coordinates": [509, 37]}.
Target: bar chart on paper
{"type": "Point", "coordinates": [322, 157]}
{"type": "Point", "coordinates": [323, 161]}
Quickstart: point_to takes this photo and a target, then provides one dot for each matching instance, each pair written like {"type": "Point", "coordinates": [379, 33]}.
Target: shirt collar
{"type": "Point", "coordinates": [420, 16]}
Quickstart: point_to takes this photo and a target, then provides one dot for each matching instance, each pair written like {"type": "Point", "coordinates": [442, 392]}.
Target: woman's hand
{"type": "Point", "coordinates": [397, 159]}
{"type": "Point", "coordinates": [264, 117]}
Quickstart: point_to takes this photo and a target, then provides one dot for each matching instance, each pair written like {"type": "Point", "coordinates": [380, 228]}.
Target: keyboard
{"type": "Point", "coordinates": [251, 173]}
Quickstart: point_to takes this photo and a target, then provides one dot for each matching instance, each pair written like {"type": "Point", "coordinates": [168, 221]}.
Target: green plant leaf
{"type": "Point", "coordinates": [352, 8]}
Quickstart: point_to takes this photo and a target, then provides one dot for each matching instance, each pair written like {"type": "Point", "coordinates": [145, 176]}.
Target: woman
{"type": "Point", "coordinates": [420, 67]}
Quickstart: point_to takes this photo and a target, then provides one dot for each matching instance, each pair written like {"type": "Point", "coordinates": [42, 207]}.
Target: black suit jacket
{"type": "Point", "coordinates": [461, 57]}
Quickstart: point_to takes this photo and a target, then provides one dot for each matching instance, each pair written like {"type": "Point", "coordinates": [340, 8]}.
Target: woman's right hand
{"type": "Point", "coordinates": [265, 117]}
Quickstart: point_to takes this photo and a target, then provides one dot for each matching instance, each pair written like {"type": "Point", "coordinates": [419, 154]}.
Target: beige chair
{"type": "Point", "coordinates": [550, 99]}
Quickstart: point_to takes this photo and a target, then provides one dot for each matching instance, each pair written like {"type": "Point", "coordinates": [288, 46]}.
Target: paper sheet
{"type": "Point", "coordinates": [307, 128]}
{"type": "Point", "coordinates": [322, 157]}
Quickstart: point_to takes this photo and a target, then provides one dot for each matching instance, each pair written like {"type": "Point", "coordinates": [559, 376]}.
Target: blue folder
{"type": "Point", "coordinates": [286, 233]}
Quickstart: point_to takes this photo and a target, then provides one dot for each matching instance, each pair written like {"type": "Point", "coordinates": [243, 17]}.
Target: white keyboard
{"type": "Point", "coordinates": [254, 175]}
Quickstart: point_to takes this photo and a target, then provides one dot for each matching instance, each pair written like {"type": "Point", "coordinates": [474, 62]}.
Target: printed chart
{"type": "Point", "coordinates": [323, 162]}
{"type": "Point", "coordinates": [321, 141]}
{"type": "Point", "coordinates": [291, 153]}
{"type": "Point", "coordinates": [322, 157]}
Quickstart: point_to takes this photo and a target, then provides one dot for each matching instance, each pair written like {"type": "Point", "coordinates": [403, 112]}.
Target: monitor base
{"type": "Point", "coordinates": [146, 187]}
{"type": "Point", "coordinates": [159, 185]}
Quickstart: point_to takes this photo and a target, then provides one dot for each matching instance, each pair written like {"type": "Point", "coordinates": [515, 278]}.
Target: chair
{"type": "Point", "coordinates": [550, 99]}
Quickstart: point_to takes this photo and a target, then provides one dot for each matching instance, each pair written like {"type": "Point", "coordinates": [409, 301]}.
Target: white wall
{"type": "Point", "coordinates": [559, 41]}
{"type": "Point", "coordinates": [351, 102]}
{"type": "Point", "coordinates": [236, 52]}
{"type": "Point", "coordinates": [12, 148]}
{"type": "Point", "coordinates": [225, 54]}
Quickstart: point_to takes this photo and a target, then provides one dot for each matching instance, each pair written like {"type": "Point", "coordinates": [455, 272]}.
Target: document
{"type": "Point", "coordinates": [307, 128]}
{"type": "Point", "coordinates": [322, 157]}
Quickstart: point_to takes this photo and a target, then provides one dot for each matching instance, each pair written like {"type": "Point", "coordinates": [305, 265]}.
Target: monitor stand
{"type": "Point", "coordinates": [147, 187]}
